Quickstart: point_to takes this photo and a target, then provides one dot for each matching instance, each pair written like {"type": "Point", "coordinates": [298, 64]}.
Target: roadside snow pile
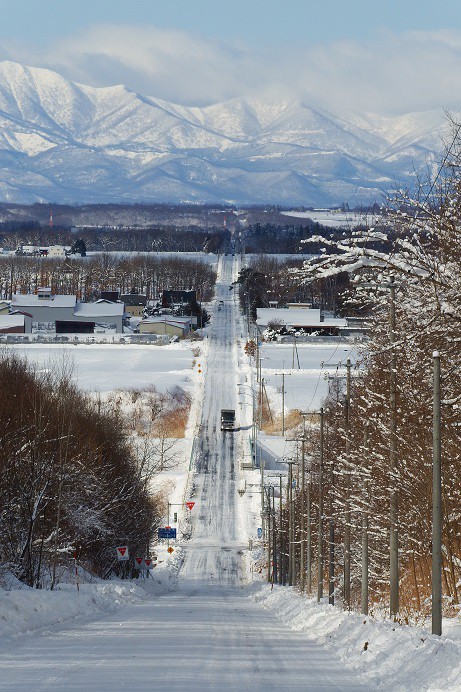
{"type": "Point", "coordinates": [24, 610]}
{"type": "Point", "coordinates": [385, 654]}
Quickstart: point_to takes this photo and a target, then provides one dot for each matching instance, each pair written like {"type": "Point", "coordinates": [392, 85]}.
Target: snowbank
{"type": "Point", "coordinates": [386, 655]}
{"type": "Point", "coordinates": [24, 610]}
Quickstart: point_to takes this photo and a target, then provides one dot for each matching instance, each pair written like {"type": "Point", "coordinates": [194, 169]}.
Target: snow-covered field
{"type": "Point", "coordinates": [335, 219]}
{"type": "Point", "coordinates": [307, 385]}
{"type": "Point", "coordinates": [105, 367]}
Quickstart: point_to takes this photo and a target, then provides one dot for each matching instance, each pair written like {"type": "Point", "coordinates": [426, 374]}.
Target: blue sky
{"type": "Point", "coordinates": [386, 56]}
{"type": "Point", "coordinates": [248, 20]}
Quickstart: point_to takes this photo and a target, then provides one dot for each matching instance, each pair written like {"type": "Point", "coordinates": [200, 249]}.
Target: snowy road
{"type": "Point", "coordinates": [208, 634]}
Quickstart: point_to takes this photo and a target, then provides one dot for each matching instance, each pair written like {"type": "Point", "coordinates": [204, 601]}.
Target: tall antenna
{"type": "Point", "coordinates": [51, 218]}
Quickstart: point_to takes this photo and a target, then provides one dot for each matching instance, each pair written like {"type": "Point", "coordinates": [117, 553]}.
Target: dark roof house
{"type": "Point", "coordinates": [170, 298]}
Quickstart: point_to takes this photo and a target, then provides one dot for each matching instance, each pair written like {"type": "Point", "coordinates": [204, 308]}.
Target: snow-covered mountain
{"type": "Point", "coordinates": [66, 142]}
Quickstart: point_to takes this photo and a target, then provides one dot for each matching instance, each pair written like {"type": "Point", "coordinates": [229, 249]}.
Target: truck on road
{"type": "Point", "coordinates": [227, 419]}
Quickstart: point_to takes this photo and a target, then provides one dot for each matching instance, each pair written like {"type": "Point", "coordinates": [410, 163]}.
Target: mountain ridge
{"type": "Point", "coordinates": [61, 141]}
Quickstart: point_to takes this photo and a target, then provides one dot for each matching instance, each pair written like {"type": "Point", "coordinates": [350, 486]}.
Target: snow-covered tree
{"type": "Point", "coordinates": [417, 249]}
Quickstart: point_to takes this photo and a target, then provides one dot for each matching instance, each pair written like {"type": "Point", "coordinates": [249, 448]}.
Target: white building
{"type": "Point", "coordinates": [58, 251]}
{"type": "Point", "coordinates": [64, 314]}
{"type": "Point", "coordinates": [300, 319]}
{"type": "Point", "coordinates": [166, 324]}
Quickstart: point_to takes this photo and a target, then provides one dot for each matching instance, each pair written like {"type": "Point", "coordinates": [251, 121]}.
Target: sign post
{"type": "Point", "coordinates": [123, 553]}
{"type": "Point", "coordinates": [167, 533]}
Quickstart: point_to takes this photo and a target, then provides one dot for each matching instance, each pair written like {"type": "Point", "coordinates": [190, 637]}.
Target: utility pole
{"type": "Point", "coordinates": [302, 527]}
{"type": "Point", "coordinates": [253, 429]}
{"type": "Point", "coordinates": [309, 537]}
{"type": "Point", "coordinates": [261, 463]}
{"type": "Point", "coordinates": [320, 521]}
{"type": "Point", "coordinates": [269, 535]}
{"type": "Point", "coordinates": [257, 358]}
{"type": "Point", "coordinates": [331, 564]}
{"type": "Point", "coordinates": [436, 505]}
{"type": "Point", "coordinates": [291, 525]}
{"type": "Point", "coordinates": [302, 524]}
{"type": "Point", "coordinates": [364, 595]}
{"type": "Point", "coordinates": [394, 500]}
{"type": "Point", "coordinates": [331, 543]}
{"type": "Point", "coordinates": [261, 389]}
{"type": "Point", "coordinates": [274, 540]}
{"type": "Point", "coordinates": [283, 400]}
{"type": "Point", "coordinates": [281, 541]}
{"type": "Point", "coordinates": [347, 529]}
{"type": "Point", "coordinates": [283, 404]}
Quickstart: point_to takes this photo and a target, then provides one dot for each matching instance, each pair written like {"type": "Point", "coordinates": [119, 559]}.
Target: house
{"type": "Point", "coordinates": [64, 314]}
{"type": "Point", "coordinates": [134, 303]}
{"type": "Point", "coordinates": [104, 315]}
{"type": "Point", "coordinates": [306, 320]}
{"type": "Point", "coordinates": [58, 251]}
{"type": "Point", "coordinates": [45, 308]}
{"type": "Point", "coordinates": [43, 251]}
{"type": "Point", "coordinates": [12, 324]}
{"type": "Point", "coordinates": [166, 324]}
{"type": "Point", "coordinates": [113, 296]}
{"type": "Point", "coordinates": [170, 298]}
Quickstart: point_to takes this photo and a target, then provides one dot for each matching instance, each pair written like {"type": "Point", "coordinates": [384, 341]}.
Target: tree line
{"type": "Point", "coordinates": [267, 279]}
{"type": "Point", "coordinates": [151, 239]}
{"type": "Point", "coordinates": [87, 277]}
{"type": "Point", "coordinates": [375, 456]}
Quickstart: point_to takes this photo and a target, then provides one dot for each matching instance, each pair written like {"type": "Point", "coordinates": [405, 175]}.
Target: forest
{"type": "Point", "coordinates": [73, 484]}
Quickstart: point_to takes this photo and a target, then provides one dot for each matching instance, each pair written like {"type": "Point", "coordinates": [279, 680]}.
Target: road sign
{"type": "Point", "coordinates": [170, 549]}
{"type": "Point", "coordinates": [167, 533]}
{"type": "Point", "coordinates": [122, 553]}
{"type": "Point", "coordinates": [189, 505]}
{"type": "Point", "coordinates": [138, 562]}
{"type": "Point", "coordinates": [260, 532]}
{"type": "Point", "coordinates": [149, 563]}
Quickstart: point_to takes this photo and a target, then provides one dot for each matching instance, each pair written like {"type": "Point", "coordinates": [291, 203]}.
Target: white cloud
{"type": "Point", "coordinates": [391, 74]}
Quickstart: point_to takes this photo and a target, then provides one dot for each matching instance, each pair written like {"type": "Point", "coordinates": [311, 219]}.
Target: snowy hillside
{"type": "Point", "coordinates": [66, 142]}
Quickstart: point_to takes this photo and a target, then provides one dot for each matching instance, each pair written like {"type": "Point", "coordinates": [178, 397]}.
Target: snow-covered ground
{"type": "Point", "coordinates": [335, 219]}
{"type": "Point", "coordinates": [105, 367]}
{"type": "Point", "coordinates": [205, 619]}
{"type": "Point", "coordinates": [307, 385]}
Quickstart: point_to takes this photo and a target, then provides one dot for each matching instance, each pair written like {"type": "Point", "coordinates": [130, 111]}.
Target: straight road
{"type": "Point", "coordinates": [208, 634]}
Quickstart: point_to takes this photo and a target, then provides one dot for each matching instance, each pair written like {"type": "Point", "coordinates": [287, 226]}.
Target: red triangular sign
{"type": "Point", "coordinates": [138, 560]}
{"type": "Point", "coordinates": [189, 505]}
{"type": "Point", "coordinates": [147, 561]}
{"type": "Point", "coordinates": [122, 551]}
